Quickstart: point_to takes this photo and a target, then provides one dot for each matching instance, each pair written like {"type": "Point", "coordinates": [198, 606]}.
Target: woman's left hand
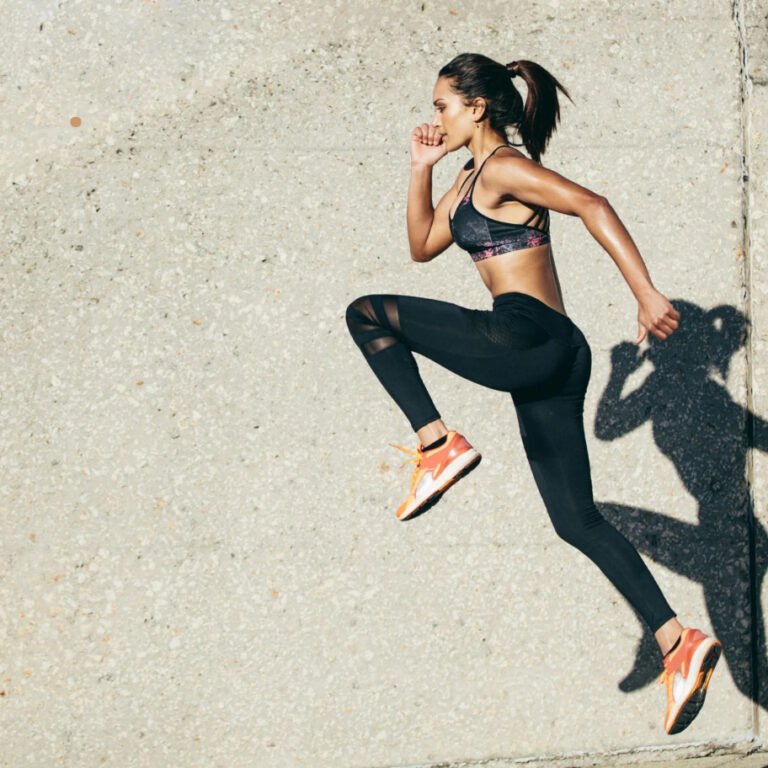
{"type": "Point", "coordinates": [656, 314]}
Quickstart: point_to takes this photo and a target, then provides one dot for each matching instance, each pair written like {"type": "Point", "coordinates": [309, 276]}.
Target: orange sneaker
{"type": "Point", "coordinates": [436, 471]}
{"type": "Point", "coordinates": [686, 673]}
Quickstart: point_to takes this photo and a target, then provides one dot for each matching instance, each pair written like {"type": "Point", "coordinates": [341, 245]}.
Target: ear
{"type": "Point", "coordinates": [479, 106]}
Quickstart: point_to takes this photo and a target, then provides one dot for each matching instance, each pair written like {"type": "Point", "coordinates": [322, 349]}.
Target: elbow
{"type": "Point", "coordinates": [593, 205]}
{"type": "Point", "coordinates": [599, 202]}
{"type": "Point", "coordinates": [420, 256]}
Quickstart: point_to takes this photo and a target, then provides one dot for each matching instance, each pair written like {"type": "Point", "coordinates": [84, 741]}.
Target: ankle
{"type": "Point", "coordinates": [673, 646]}
{"type": "Point", "coordinates": [432, 432]}
{"type": "Point", "coordinates": [436, 443]}
{"type": "Point", "coordinates": [667, 635]}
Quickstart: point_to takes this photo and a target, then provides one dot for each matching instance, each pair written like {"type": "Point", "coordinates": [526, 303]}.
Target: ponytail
{"type": "Point", "coordinates": [541, 113]}
{"type": "Point", "coordinates": [475, 75]}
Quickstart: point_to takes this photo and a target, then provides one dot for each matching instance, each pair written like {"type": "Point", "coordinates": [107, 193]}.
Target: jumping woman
{"type": "Point", "coordinates": [498, 211]}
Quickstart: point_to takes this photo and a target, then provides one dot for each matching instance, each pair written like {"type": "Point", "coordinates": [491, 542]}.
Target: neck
{"type": "Point", "coordinates": [481, 146]}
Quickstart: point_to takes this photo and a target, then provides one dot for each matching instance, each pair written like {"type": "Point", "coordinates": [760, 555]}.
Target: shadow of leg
{"type": "Point", "coordinates": [647, 667]}
{"type": "Point", "coordinates": [714, 555]}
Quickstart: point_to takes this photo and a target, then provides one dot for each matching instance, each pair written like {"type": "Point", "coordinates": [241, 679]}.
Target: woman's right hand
{"type": "Point", "coordinates": [427, 145]}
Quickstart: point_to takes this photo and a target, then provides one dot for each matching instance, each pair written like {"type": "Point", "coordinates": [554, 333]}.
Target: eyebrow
{"type": "Point", "coordinates": [439, 98]}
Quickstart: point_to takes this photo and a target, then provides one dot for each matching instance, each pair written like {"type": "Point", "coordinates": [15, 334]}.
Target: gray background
{"type": "Point", "coordinates": [200, 563]}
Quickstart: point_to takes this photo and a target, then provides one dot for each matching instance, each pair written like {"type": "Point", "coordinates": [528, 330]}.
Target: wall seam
{"type": "Point", "coordinates": [745, 91]}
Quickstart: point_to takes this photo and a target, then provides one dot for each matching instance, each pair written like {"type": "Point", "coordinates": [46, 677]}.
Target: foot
{"type": "Point", "coordinates": [687, 671]}
{"type": "Point", "coordinates": [436, 471]}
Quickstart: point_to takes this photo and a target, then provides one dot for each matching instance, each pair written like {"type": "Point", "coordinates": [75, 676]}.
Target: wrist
{"type": "Point", "coordinates": [644, 291]}
{"type": "Point", "coordinates": [420, 166]}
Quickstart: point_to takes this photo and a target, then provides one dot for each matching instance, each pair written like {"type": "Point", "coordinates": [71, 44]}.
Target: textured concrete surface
{"type": "Point", "coordinates": [199, 561]}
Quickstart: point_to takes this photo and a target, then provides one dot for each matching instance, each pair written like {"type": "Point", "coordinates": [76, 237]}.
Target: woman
{"type": "Point", "coordinates": [498, 210]}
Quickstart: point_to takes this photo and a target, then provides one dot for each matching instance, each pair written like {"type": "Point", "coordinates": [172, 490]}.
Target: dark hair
{"type": "Point", "coordinates": [475, 75]}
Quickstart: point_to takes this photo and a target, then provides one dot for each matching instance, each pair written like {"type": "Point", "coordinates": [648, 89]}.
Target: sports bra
{"type": "Point", "coordinates": [484, 237]}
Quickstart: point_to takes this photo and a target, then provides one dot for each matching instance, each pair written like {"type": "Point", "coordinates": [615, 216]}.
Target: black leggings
{"type": "Point", "coordinates": [543, 360]}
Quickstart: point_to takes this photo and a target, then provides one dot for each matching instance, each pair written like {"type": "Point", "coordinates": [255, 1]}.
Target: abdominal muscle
{"type": "Point", "coordinates": [529, 270]}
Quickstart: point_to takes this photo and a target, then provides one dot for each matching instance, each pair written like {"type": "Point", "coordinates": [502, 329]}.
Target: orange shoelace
{"type": "Point", "coordinates": [416, 457]}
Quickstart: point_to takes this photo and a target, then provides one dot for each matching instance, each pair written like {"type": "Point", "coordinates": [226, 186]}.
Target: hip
{"type": "Point", "coordinates": [517, 304]}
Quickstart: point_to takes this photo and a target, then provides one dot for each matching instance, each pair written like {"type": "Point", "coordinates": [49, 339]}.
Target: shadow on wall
{"type": "Point", "coordinates": [706, 435]}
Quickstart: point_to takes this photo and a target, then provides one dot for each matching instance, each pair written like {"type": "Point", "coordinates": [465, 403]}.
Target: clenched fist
{"type": "Point", "coordinates": [427, 145]}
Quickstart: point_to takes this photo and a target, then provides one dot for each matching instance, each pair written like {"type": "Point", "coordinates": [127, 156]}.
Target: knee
{"type": "Point", "coordinates": [578, 529]}
{"type": "Point", "coordinates": [568, 532]}
{"type": "Point", "coordinates": [360, 315]}
{"type": "Point", "coordinates": [355, 306]}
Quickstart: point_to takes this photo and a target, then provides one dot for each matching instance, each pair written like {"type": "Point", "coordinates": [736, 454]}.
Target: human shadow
{"type": "Point", "coordinates": [706, 435]}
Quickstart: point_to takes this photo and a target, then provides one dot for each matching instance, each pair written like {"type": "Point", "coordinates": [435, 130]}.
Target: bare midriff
{"type": "Point", "coordinates": [529, 270]}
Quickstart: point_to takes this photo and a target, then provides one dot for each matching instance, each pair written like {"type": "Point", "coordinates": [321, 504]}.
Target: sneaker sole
{"type": "Point", "coordinates": [430, 501]}
{"type": "Point", "coordinates": [695, 701]}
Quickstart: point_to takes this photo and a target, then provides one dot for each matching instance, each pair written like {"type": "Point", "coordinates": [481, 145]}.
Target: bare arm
{"type": "Point", "coordinates": [429, 232]}
{"type": "Point", "coordinates": [530, 182]}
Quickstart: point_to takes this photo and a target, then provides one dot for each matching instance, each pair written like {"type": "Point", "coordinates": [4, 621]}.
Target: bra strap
{"type": "Point", "coordinates": [543, 214]}
{"type": "Point", "coordinates": [472, 185]}
{"type": "Point", "coordinates": [479, 170]}
{"type": "Point", "coordinates": [462, 185]}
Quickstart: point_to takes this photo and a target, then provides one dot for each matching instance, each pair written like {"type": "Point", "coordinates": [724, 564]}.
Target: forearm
{"type": "Point", "coordinates": [420, 212]}
{"type": "Point", "coordinates": [606, 227]}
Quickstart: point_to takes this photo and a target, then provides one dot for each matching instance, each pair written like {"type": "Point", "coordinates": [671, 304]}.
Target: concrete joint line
{"type": "Point", "coordinates": [633, 757]}
{"type": "Point", "coordinates": [745, 87]}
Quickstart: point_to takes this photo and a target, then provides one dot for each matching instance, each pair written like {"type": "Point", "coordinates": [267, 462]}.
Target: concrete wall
{"type": "Point", "coordinates": [200, 560]}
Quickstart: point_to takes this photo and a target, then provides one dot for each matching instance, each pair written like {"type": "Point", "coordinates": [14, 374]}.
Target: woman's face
{"type": "Point", "coordinates": [452, 117]}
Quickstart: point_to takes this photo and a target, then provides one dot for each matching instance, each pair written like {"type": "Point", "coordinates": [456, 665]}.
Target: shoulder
{"type": "Point", "coordinates": [507, 165]}
{"type": "Point", "coordinates": [509, 157]}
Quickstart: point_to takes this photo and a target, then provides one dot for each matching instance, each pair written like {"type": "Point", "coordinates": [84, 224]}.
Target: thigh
{"type": "Point", "coordinates": [555, 445]}
{"type": "Point", "coordinates": [473, 332]}
{"type": "Point", "coordinates": [498, 350]}
{"type": "Point", "coordinates": [551, 420]}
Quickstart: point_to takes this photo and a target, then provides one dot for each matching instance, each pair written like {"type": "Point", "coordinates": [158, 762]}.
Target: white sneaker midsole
{"type": "Point", "coordinates": [428, 485]}
{"type": "Point", "coordinates": [693, 674]}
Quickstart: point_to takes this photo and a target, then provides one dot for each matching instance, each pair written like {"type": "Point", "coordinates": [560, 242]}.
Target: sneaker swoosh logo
{"type": "Point", "coordinates": [437, 470]}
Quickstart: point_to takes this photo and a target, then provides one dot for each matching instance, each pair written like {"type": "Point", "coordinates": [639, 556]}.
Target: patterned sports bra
{"type": "Point", "coordinates": [484, 237]}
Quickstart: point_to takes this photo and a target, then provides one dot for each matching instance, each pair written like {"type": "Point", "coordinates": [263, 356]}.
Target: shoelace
{"type": "Point", "coordinates": [416, 458]}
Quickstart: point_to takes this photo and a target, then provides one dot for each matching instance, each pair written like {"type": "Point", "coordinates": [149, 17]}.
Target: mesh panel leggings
{"type": "Point", "coordinates": [543, 360]}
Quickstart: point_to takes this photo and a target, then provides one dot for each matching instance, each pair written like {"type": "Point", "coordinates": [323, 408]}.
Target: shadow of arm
{"type": "Point", "coordinates": [616, 416]}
